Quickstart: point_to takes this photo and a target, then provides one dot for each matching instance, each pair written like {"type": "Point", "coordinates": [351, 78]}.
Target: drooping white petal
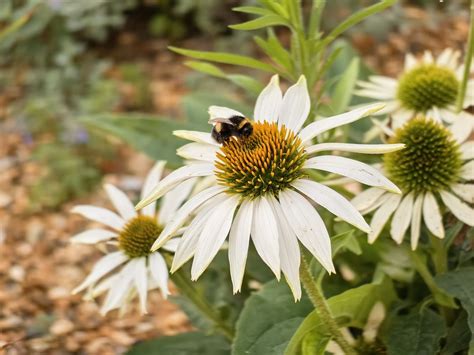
{"type": "Point", "coordinates": [140, 279]}
{"type": "Point", "coordinates": [367, 198]}
{"type": "Point", "coordinates": [101, 287]}
{"type": "Point", "coordinates": [318, 127]}
{"type": "Point", "coordinates": [101, 215]}
{"type": "Point", "coordinates": [118, 292]}
{"type": "Point", "coordinates": [382, 215]}
{"type": "Point", "coordinates": [401, 218]}
{"type": "Point", "coordinates": [172, 244]}
{"type": "Point", "coordinates": [268, 102]}
{"type": "Point", "coordinates": [355, 148]}
{"type": "Point", "coordinates": [173, 200]}
{"type": "Point", "coordinates": [239, 243]}
{"type": "Point", "coordinates": [333, 202]}
{"type": "Point", "coordinates": [432, 215]}
{"type": "Point", "coordinates": [222, 112]}
{"type": "Point", "coordinates": [295, 106]}
{"type": "Point", "coordinates": [213, 235]}
{"type": "Point", "coordinates": [467, 150]}
{"type": "Point", "coordinates": [428, 57]}
{"type": "Point", "coordinates": [465, 191]}
{"type": "Point", "coordinates": [410, 61]}
{"type": "Point", "coordinates": [121, 202]}
{"type": "Point", "coordinates": [159, 272]}
{"type": "Point", "coordinates": [445, 57]}
{"type": "Point", "coordinates": [198, 151]}
{"type": "Point", "coordinates": [400, 117]}
{"type": "Point", "coordinates": [308, 227]}
{"type": "Point", "coordinates": [353, 169]}
{"type": "Point", "coordinates": [151, 180]}
{"type": "Point", "coordinates": [385, 81]}
{"type": "Point", "coordinates": [174, 179]}
{"type": "Point", "coordinates": [379, 95]}
{"type": "Point", "coordinates": [458, 208]}
{"type": "Point", "coordinates": [196, 136]}
{"type": "Point", "coordinates": [180, 217]}
{"type": "Point", "coordinates": [265, 235]}
{"type": "Point", "coordinates": [460, 130]}
{"type": "Point", "coordinates": [93, 236]}
{"type": "Point", "coordinates": [467, 172]}
{"type": "Point", "coordinates": [379, 202]}
{"type": "Point", "coordinates": [101, 268]}
{"type": "Point", "coordinates": [289, 250]}
{"type": "Point", "coordinates": [416, 222]}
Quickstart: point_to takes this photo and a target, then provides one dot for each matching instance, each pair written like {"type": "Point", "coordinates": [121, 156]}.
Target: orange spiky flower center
{"type": "Point", "coordinates": [267, 161]}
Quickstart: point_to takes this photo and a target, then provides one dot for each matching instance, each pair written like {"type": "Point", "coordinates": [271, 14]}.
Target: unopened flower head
{"type": "Point", "coordinates": [132, 268]}
{"type": "Point", "coordinates": [427, 86]}
{"type": "Point", "coordinates": [263, 192]}
{"type": "Point", "coordinates": [432, 168]}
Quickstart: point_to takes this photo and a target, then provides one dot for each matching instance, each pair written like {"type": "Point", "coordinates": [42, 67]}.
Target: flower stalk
{"type": "Point", "coordinates": [322, 308]}
{"type": "Point", "coordinates": [468, 61]}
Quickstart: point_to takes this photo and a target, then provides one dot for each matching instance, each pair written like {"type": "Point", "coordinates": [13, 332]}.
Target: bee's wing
{"type": "Point", "coordinates": [220, 120]}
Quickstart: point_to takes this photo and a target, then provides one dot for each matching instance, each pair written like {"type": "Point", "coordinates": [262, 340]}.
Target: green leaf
{"type": "Point", "coordinates": [253, 10]}
{"type": "Point", "coordinates": [149, 134]}
{"type": "Point", "coordinates": [350, 308]}
{"type": "Point", "coordinates": [415, 334]}
{"type": "Point", "coordinates": [194, 343]}
{"type": "Point", "coordinates": [342, 94]}
{"type": "Point", "coordinates": [225, 58]}
{"type": "Point", "coordinates": [458, 336]}
{"type": "Point", "coordinates": [346, 240]}
{"type": "Point", "coordinates": [261, 22]}
{"type": "Point", "coordinates": [268, 320]}
{"type": "Point", "coordinates": [460, 284]}
{"type": "Point", "coordinates": [273, 48]}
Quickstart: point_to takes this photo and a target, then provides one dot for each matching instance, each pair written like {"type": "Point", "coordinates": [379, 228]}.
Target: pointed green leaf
{"type": "Point", "coordinates": [342, 94]}
{"type": "Point", "coordinates": [225, 58]}
{"type": "Point", "coordinates": [253, 10]}
{"type": "Point", "coordinates": [261, 22]}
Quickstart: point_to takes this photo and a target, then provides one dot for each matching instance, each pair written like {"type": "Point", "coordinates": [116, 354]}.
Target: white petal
{"type": "Point", "coordinates": [213, 235]}
{"type": "Point", "coordinates": [445, 57]}
{"type": "Point", "coordinates": [400, 117]}
{"type": "Point", "coordinates": [196, 136]}
{"type": "Point", "coordinates": [355, 148]}
{"type": "Point", "coordinates": [467, 150]}
{"type": "Point", "coordinates": [151, 180]}
{"type": "Point", "coordinates": [289, 251]}
{"type": "Point", "coordinates": [416, 222]}
{"type": "Point", "coordinates": [239, 243]}
{"type": "Point", "coordinates": [367, 198]}
{"type": "Point", "coordinates": [101, 287]}
{"type": "Point", "coordinates": [268, 102]}
{"type": "Point", "coordinates": [198, 151]}
{"type": "Point", "coordinates": [265, 235]}
{"type": "Point", "coordinates": [222, 112]}
{"type": "Point", "coordinates": [385, 81]}
{"type": "Point", "coordinates": [379, 202]}
{"type": "Point", "coordinates": [352, 168]}
{"type": "Point", "coordinates": [460, 130]}
{"type": "Point", "coordinates": [465, 191]}
{"type": "Point", "coordinates": [172, 244]}
{"type": "Point", "coordinates": [318, 127]}
{"type": "Point", "coordinates": [308, 227]}
{"type": "Point", "coordinates": [378, 95]}
{"type": "Point", "coordinates": [184, 213]}
{"type": "Point", "coordinates": [101, 268]}
{"type": "Point", "coordinates": [173, 200]}
{"type": "Point", "coordinates": [333, 202]}
{"type": "Point", "coordinates": [121, 202]}
{"type": "Point", "coordinates": [119, 291]}
{"type": "Point", "coordinates": [295, 106]}
{"type": "Point", "coordinates": [432, 215]}
{"type": "Point", "coordinates": [381, 216]}
{"type": "Point", "coordinates": [467, 171]}
{"type": "Point", "coordinates": [401, 218]}
{"type": "Point", "coordinates": [140, 278]}
{"type": "Point", "coordinates": [428, 57]}
{"type": "Point", "coordinates": [159, 271]}
{"type": "Point", "coordinates": [101, 215]}
{"type": "Point", "coordinates": [174, 179]}
{"type": "Point", "coordinates": [458, 208]}
{"type": "Point", "coordinates": [410, 61]}
{"type": "Point", "coordinates": [93, 236]}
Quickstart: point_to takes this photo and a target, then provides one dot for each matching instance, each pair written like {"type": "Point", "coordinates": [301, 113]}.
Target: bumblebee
{"type": "Point", "coordinates": [235, 126]}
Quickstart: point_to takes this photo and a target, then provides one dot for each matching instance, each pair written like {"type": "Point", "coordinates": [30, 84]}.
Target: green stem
{"type": "Point", "coordinates": [186, 288]}
{"type": "Point", "coordinates": [468, 61]}
{"type": "Point", "coordinates": [440, 255]}
{"type": "Point", "coordinates": [322, 308]}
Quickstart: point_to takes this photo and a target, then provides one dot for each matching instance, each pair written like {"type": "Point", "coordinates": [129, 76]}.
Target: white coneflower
{"type": "Point", "coordinates": [263, 191]}
{"type": "Point", "coordinates": [427, 86]}
{"type": "Point", "coordinates": [131, 269]}
{"type": "Point", "coordinates": [432, 168]}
